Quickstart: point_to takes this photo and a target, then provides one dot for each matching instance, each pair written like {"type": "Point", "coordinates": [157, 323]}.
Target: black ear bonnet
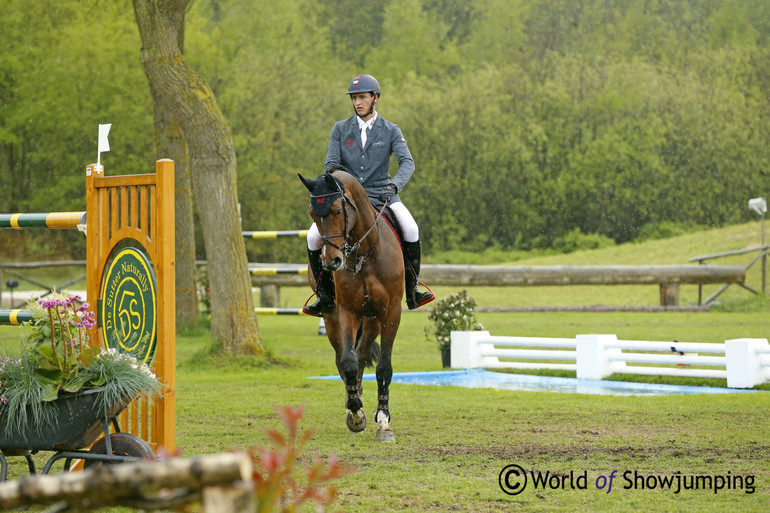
{"type": "Point", "coordinates": [324, 190]}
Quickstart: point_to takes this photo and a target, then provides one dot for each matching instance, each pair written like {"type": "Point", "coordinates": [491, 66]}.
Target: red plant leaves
{"type": "Point", "coordinates": [276, 487]}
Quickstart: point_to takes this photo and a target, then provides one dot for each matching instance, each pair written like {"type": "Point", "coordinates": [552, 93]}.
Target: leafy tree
{"type": "Point", "coordinates": [407, 27]}
{"type": "Point", "coordinates": [354, 27]}
{"type": "Point", "coordinates": [170, 143]}
{"type": "Point", "coordinates": [58, 82]}
{"type": "Point", "coordinates": [527, 120]}
{"type": "Point", "coordinates": [212, 162]}
{"type": "Point", "coordinates": [280, 121]}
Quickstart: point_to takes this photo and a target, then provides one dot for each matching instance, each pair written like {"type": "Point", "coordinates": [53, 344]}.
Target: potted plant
{"type": "Point", "coordinates": [453, 313]}
{"type": "Point", "coordinates": [58, 364]}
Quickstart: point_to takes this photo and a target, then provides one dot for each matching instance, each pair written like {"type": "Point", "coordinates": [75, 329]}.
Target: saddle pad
{"type": "Point", "coordinates": [387, 214]}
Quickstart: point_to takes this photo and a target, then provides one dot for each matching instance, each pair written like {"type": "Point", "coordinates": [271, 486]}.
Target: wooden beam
{"type": "Point", "coordinates": [121, 484]}
{"type": "Point", "coordinates": [529, 276]}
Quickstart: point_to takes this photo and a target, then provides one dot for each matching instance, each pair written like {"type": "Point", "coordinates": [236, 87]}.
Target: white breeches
{"type": "Point", "coordinates": [408, 226]}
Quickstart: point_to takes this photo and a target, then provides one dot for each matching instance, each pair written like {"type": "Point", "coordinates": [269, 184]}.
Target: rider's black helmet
{"type": "Point", "coordinates": [364, 84]}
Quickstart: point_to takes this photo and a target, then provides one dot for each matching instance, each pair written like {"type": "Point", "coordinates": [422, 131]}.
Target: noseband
{"type": "Point", "coordinates": [348, 249]}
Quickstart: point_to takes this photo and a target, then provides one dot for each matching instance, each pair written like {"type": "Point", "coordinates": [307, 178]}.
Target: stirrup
{"type": "Point", "coordinates": [419, 298]}
{"type": "Point", "coordinates": [318, 308]}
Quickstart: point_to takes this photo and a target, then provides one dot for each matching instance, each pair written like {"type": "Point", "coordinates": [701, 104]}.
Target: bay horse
{"type": "Point", "coordinates": [365, 257]}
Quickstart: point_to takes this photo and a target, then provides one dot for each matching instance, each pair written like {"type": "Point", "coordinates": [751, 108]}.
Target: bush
{"type": "Point", "coordinates": [453, 313]}
{"type": "Point", "coordinates": [664, 230]}
{"type": "Point", "coordinates": [577, 240]}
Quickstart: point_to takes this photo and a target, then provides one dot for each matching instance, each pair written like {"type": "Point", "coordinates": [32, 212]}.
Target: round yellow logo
{"type": "Point", "coordinates": [129, 305]}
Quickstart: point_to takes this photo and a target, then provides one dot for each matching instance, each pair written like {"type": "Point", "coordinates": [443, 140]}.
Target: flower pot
{"type": "Point", "coordinates": [77, 422]}
{"type": "Point", "coordinates": [446, 357]}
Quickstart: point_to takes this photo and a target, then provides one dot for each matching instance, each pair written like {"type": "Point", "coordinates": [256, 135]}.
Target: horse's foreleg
{"type": "Point", "coordinates": [384, 375]}
{"type": "Point", "coordinates": [356, 418]}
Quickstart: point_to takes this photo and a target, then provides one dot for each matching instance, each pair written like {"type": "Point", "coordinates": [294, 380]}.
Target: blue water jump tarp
{"type": "Point", "coordinates": [480, 378]}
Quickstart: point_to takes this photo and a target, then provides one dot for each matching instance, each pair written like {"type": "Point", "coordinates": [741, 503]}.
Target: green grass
{"type": "Point", "coordinates": [452, 443]}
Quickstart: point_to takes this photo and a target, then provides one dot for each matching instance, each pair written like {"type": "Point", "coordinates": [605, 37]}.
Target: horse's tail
{"type": "Point", "coordinates": [374, 354]}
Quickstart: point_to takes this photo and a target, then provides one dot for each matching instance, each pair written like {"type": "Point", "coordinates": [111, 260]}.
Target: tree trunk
{"type": "Point", "coordinates": [213, 169]}
{"type": "Point", "coordinates": [170, 143]}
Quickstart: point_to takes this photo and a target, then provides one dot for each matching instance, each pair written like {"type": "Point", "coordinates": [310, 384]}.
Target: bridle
{"type": "Point", "coordinates": [347, 249]}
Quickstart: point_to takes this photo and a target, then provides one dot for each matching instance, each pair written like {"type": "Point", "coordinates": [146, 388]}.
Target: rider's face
{"type": "Point", "coordinates": [362, 102]}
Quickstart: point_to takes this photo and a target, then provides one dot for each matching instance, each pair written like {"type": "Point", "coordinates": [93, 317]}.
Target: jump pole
{"type": "Point", "coordinates": [274, 234]}
{"type": "Point", "coordinates": [14, 316]}
{"type": "Point", "coordinates": [53, 220]}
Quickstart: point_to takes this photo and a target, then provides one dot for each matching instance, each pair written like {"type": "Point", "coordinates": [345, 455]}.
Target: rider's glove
{"type": "Point", "coordinates": [388, 192]}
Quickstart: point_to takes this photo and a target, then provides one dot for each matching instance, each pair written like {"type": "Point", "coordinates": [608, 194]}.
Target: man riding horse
{"type": "Point", "coordinates": [363, 144]}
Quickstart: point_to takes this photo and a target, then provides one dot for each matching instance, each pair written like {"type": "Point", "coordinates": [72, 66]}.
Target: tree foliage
{"type": "Point", "coordinates": [528, 120]}
{"type": "Point", "coordinates": [176, 86]}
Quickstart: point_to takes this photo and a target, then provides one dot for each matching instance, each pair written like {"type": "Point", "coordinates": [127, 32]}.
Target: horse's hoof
{"type": "Point", "coordinates": [385, 435]}
{"type": "Point", "coordinates": [356, 421]}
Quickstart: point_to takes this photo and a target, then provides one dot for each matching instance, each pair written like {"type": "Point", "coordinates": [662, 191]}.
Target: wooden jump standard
{"type": "Point", "coordinates": [130, 226]}
{"type": "Point", "coordinates": [668, 277]}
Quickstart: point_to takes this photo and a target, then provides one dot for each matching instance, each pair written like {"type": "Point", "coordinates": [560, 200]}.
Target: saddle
{"type": "Point", "coordinates": [392, 222]}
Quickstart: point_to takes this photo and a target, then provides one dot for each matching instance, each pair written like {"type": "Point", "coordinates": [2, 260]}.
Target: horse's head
{"type": "Point", "coordinates": [334, 213]}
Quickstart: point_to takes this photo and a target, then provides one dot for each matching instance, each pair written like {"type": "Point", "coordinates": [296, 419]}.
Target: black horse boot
{"type": "Point", "coordinates": [324, 286]}
{"type": "Point", "coordinates": [414, 298]}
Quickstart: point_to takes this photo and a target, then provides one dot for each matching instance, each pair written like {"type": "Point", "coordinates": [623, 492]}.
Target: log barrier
{"type": "Point", "coordinates": [223, 482]}
{"type": "Point", "coordinates": [667, 277]}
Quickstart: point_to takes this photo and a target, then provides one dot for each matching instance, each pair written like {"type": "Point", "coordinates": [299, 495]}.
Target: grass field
{"type": "Point", "coordinates": [452, 443]}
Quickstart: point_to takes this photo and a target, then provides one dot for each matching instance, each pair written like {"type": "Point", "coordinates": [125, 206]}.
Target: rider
{"type": "Point", "coordinates": [363, 144]}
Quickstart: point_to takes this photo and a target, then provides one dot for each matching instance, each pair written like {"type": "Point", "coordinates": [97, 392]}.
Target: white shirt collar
{"type": "Point", "coordinates": [369, 124]}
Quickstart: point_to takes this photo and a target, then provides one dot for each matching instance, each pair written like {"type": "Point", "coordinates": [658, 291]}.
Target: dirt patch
{"type": "Point", "coordinates": [570, 452]}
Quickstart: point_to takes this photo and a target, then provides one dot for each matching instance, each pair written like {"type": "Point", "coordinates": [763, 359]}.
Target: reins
{"type": "Point", "coordinates": [347, 249]}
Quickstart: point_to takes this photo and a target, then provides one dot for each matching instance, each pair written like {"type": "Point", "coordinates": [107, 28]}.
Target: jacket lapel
{"type": "Point", "coordinates": [356, 130]}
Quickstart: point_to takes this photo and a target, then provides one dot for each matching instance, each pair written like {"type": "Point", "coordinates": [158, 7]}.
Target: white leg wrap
{"type": "Point", "coordinates": [381, 419]}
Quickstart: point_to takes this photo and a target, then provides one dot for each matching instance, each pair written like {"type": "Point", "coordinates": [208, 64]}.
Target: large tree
{"type": "Point", "coordinates": [171, 143]}
{"type": "Point", "coordinates": [191, 102]}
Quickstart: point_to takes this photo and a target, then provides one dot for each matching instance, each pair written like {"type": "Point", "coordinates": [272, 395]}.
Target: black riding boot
{"type": "Point", "coordinates": [324, 286]}
{"type": "Point", "coordinates": [414, 298]}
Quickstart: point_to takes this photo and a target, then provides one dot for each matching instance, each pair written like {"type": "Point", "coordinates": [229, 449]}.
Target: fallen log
{"type": "Point", "coordinates": [129, 483]}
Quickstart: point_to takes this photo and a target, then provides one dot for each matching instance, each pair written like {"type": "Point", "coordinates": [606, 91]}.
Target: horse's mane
{"type": "Point", "coordinates": [355, 189]}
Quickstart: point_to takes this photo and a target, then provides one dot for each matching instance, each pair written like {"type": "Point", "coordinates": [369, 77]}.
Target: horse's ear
{"type": "Point", "coordinates": [331, 183]}
{"type": "Point", "coordinates": [310, 184]}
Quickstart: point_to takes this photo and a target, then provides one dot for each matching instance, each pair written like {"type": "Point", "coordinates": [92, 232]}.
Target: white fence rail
{"type": "Point", "coordinates": [743, 362]}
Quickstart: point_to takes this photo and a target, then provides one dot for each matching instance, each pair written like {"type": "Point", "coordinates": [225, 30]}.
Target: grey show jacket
{"type": "Point", "coordinates": [370, 164]}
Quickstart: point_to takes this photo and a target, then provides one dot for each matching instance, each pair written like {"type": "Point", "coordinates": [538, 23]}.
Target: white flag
{"type": "Point", "coordinates": [104, 143]}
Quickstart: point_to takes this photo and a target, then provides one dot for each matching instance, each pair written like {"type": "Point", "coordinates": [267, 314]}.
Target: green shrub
{"type": "Point", "coordinates": [453, 313]}
{"type": "Point", "coordinates": [577, 240]}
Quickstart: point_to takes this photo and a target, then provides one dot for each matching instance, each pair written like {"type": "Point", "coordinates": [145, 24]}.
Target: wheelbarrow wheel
{"type": "Point", "coordinates": [123, 444]}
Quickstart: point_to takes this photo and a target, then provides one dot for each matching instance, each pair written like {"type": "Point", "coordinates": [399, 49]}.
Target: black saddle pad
{"type": "Point", "coordinates": [391, 219]}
